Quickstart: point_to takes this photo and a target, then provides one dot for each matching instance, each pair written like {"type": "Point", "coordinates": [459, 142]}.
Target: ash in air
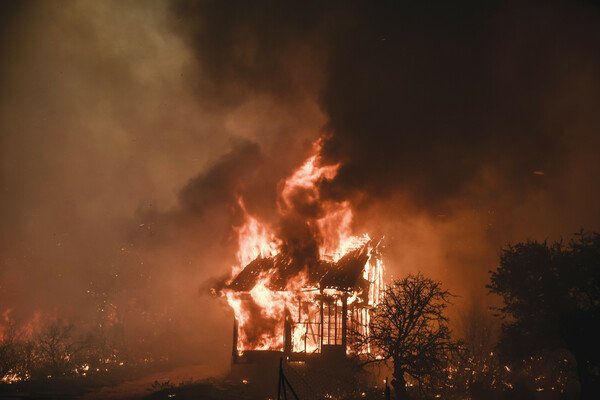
{"type": "Point", "coordinates": [289, 286]}
{"type": "Point", "coordinates": [151, 151]}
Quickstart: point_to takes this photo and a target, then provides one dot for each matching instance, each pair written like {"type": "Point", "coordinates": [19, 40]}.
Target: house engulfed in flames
{"type": "Point", "coordinates": [305, 296]}
{"type": "Point", "coordinates": [309, 311]}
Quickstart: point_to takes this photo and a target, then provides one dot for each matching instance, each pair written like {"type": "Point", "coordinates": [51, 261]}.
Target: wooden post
{"type": "Point", "coordinates": [287, 332]}
{"type": "Point", "coordinates": [280, 380]}
{"type": "Point", "coordinates": [283, 384]}
{"type": "Point", "coordinates": [344, 320]}
{"type": "Point", "coordinates": [329, 322]}
{"type": "Point", "coordinates": [335, 327]}
{"type": "Point", "coordinates": [234, 351]}
{"type": "Point", "coordinates": [321, 314]}
{"type": "Point", "coordinates": [387, 390]}
{"type": "Point", "coordinates": [305, 335]}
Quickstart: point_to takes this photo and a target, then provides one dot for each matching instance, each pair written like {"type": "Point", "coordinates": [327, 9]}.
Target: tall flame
{"type": "Point", "coordinates": [263, 310]}
{"type": "Point", "coordinates": [255, 240]}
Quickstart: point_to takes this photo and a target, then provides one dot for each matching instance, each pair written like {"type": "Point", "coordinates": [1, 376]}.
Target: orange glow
{"type": "Point", "coordinates": [273, 302]}
{"type": "Point", "coordinates": [255, 240]}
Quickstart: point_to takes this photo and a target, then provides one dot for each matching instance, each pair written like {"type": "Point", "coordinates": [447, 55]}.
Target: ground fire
{"type": "Point", "coordinates": [298, 304]}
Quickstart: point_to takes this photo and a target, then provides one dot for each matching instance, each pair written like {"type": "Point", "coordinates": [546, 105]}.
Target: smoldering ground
{"type": "Point", "coordinates": [131, 130]}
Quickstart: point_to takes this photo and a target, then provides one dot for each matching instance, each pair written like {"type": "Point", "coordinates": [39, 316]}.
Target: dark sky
{"type": "Point", "coordinates": [129, 129]}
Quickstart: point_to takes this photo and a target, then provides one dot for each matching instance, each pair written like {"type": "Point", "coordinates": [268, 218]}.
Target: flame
{"type": "Point", "coordinates": [266, 311]}
{"type": "Point", "coordinates": [306, 179]}
{"type": "Point", "coordinates": [255, 240]}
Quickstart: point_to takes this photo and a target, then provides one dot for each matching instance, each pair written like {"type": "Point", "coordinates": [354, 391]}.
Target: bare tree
{"type": "Point", "coordinates": [410, 329]}
{"type": "Point", "coordinates": [56, 350]}
{"type": "Point", "coordinates": [9, 351]}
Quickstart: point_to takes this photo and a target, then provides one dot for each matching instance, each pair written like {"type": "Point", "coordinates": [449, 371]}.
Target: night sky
{"type": "Point", "coordinates": [128, 131]}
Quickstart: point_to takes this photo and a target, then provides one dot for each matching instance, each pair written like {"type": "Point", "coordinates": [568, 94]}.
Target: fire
{"type": "Point", "coordinates": [255, 240]}
{"type": "Point", "coordinates": [283, 304]}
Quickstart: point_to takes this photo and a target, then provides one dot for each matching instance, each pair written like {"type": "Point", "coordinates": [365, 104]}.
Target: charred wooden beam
{"type": "Point", "coordinates": [344, 320]}
{"type": "Point", "coordinates": [287, 332]}
{"type": "Point", "coordinates": [321, 315]}
{"type": "Point", "coordinates": [234, 351]}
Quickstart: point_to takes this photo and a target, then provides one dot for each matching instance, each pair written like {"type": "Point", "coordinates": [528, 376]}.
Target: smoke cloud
{"type": "Point", "coordinates": [130, 132]}
{"type": "Point", "coordinates": [459, 127]}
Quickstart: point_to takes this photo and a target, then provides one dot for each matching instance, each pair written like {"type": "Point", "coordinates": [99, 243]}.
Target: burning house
{"type": "Point", "coordinates": [303, 292]}
{"type": "Point", "coordinates": [305, 311]}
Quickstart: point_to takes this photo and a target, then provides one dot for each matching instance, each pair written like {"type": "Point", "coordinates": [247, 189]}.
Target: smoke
{"type": "Point", "coordinates": [119, 174]}
{"type": "Point", "coordinates": [129, 132]}
{"type": "Point", "coordinates": [459, 127]}
{"type": "Point", "coordinates": [445, 96]}
{"type": "Point", "coordinates": [463, 125]}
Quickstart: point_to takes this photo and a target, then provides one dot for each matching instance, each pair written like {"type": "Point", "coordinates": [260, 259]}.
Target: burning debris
{"type": "Point", "coordinates": [283, 308]}
{"type": "Point", "coordinates": [309, 288]}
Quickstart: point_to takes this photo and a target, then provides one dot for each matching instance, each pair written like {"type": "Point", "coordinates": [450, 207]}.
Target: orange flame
{"type": "Point", "coordinates": [263, 311]}
{"type": "Point", "coordinates": [255, 240]}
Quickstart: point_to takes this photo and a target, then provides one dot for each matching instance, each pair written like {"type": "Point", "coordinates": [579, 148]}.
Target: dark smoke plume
{"type": "Point", "coordinates": [129, 131]}
{"type": "Point", "coordinates": [459, 126]}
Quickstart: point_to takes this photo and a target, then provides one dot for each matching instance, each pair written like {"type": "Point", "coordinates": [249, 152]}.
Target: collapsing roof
{"type": "Point", "coordinates": [302, 307]}
{"type": "Point", "coordinates": [345, 274]}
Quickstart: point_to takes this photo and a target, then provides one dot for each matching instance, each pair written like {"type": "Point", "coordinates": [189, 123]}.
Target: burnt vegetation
{"type": "Point", "coordinates": [452, 127]}
{"type": "Point", "coordinates": [551, 310]}
{"type": "Point", "coordinates": [540, 343]}
{"type": "Point", "coordinates": [58, 357]}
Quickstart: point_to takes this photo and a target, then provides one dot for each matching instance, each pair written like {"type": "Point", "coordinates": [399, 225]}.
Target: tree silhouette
{"type": "Point", "coordinates": [410, 329]}
{"type": "Point", "coordinates": [551, 298]}
{"type": "Point", "coordinates": [56, 351]}
{"type": "Point", "coordinates": [9, 351]}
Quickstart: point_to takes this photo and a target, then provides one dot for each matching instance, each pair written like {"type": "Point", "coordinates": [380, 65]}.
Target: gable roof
{"type": "Point", "coordinates": [345, 274]}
